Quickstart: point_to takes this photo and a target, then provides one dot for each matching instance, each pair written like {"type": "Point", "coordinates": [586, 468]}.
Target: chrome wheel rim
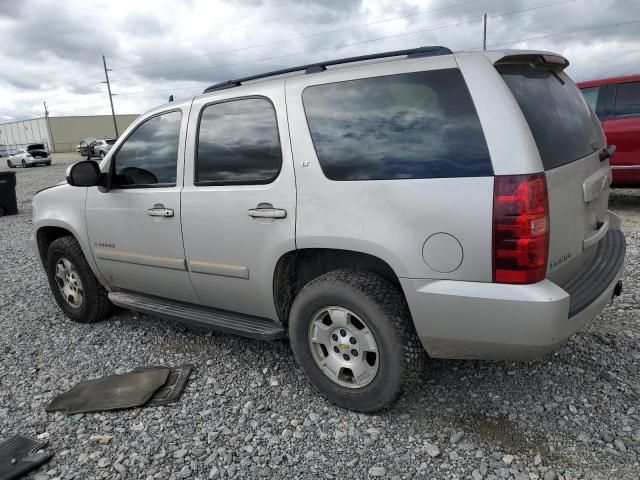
{"type": "Point", "coordinates": [343, 347]}
{"type": "Point", "coordinates": [69, 283]}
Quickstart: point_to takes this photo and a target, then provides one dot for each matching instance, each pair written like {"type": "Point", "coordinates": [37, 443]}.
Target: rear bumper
{"type": "Point", "coordinates": [474, 320]}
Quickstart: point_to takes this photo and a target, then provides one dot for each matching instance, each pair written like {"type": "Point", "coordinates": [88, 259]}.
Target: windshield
{"type": "Point", "coordinates": [563, 126]}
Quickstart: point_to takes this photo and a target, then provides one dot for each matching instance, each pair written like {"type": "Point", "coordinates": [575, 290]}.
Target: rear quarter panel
{"type": "Point", "coordinates": [390, 219]}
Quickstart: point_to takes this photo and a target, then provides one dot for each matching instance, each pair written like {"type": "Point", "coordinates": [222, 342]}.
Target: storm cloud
{"type": "Point", "coordinates": [52, 51]}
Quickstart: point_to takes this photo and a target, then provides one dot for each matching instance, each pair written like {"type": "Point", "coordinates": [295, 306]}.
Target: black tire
{"type": "Point", "coordinates": [384, 310]}
{"type": "Point", "coordinates": [10, 165]}
{"type": "Point", "coordinates": [24, 164]}
{"type": "Point", "coordinates": [95, 304]}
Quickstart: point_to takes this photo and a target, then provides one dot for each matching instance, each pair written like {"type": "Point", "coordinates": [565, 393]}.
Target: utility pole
{"type": "Point", "coordinates": [52, 147]}
{"type": "Point", "coordinates": [484, 33]}
{"type": "Point", "coordinates": [113, 113]}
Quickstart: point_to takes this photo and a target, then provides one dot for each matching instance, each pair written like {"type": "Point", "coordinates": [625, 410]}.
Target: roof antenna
{"type": "Point", "coordinates": [171, 98]}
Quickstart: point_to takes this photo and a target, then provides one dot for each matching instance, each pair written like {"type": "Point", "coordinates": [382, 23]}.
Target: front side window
{"type": "Point", "coordinates": [628, 99]}
{"type": "Point", "coordinates": [149, 156]}
{"type": "Point", "coordinates": [413, 125]}
{"type": "Point", "coordinates": [238, 143]}
{"type": "Point", "coordinates": [591, 96]}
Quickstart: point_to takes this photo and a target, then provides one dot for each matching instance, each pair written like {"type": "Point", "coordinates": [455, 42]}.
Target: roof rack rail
{"type": "Point", "coordinates": [322, 66]}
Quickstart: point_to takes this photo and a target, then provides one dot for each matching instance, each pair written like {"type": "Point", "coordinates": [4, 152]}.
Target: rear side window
{"type": "Point", "coordinates": [591, 96]}
{"type": "Point", "coordinates": [238, 143]}
{"type": "Point", "coordinates": [564, 128]}
{"type": "Point", "coordinates": [627, 99]}
{"type": "Point", "coordinates": [413, 125]}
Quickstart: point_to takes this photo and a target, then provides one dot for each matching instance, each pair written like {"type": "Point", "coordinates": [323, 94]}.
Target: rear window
{"type": "Point", "coordinates": [413, 125]}
{"type": "Point", "coordinates": [563, 126]}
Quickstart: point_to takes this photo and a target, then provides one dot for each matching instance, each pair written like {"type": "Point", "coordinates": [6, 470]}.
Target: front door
{"type": "Point", "coordinates": [134, 228]}
{"type": "Point", "coordinates": [239, 198]}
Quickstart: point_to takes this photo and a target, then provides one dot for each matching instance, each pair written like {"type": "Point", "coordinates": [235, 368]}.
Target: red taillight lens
{"type": "Point", "coordinates": [520, 228]}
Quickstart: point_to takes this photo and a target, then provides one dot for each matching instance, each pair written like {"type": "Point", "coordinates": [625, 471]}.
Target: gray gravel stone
{"type": "Point", "coordinates": [377, 471]}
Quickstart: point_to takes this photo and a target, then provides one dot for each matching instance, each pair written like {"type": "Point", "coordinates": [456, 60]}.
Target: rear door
{"type": "Point", "coordinates": [622, 127]}
{"type": "Point", "coordinates": [239, 197]}
{"type": "Point", "coordinates": [569, 139]}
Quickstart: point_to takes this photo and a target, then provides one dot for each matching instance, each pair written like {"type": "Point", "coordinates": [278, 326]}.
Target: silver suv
{"type": "Point", "coordinates": [369, 209]}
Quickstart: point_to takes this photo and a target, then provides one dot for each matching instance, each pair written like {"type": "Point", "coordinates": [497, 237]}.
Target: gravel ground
{"type": "Point", "coordinates": [248, 411]}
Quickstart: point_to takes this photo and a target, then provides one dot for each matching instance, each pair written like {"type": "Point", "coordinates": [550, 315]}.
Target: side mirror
{"type": "Point", "coordinates": [84, 174]}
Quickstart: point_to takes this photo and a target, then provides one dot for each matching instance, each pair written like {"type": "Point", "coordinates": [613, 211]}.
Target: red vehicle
{"type": "Point", "coordinates": [616, 102]}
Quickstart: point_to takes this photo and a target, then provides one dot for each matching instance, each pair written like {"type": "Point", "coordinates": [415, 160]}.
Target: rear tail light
{"type": "Point", "coordinates": [520, 228]}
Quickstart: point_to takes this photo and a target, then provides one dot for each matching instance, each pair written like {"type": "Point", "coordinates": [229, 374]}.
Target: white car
{"type": "Point", "coordinates": [35, 154]}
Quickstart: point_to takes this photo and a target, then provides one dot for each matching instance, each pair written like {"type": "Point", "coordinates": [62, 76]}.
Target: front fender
{"type": "Point", "coordinates": [63, 206]}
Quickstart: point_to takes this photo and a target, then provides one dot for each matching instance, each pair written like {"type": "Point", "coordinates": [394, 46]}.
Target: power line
{"type": "Point", "coordinates": [318, 34]}
{"type": "Point", "coordinates": [474, 48]}
{"type": "Point", "coordinates": [361, 42]}
{"type": "Point", "coordinates": [564, 33]}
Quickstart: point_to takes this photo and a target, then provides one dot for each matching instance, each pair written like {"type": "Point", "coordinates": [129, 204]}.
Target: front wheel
{"type": "Point", "coordinates": [352, 335]}
{"type": "Point", "coordinates": [75, 288]}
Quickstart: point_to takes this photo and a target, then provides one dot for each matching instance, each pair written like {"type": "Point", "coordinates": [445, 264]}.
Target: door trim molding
{"type": "Point", "coordinates": [222, 269]}
{"type": "Point", "coordinates": [172, 263]}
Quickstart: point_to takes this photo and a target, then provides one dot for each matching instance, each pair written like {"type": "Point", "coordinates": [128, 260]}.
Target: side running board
{"type": "Point", "coordinates": [222, 320]}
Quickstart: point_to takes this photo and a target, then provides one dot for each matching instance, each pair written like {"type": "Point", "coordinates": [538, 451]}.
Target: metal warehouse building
{"type": "Point", "coordinates": [60, 134]}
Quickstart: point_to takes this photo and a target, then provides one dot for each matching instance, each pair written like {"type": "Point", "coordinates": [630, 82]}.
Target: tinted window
{"type": "Point", "coordinates": [238, 143]}
{"type": "Point", "coordinates": [628, 99]}
{"type": "Point", "coordinates": [150, 154]}
{"type": "Point", "coordinates": [414, 125]}
{"type": "Point", "coordinates": [591, 96]}
{"type": "Point", "coordinates": [561, 123]}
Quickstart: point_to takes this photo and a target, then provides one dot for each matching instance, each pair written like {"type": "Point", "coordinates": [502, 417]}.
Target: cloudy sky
{"type": "Point", "coordinates": [51, 49]}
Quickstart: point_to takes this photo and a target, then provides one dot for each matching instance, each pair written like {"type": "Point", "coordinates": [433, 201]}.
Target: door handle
{"type": "Point", "coordinates": [158, 210]}
{"type": "Point", "coordinates": [266, 210]}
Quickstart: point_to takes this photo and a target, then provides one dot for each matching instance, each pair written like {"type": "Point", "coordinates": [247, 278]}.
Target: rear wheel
{"type": "Point", "coordinates": [10, 165]}
{"type": "Point", "coordinates": [75, 288]}
{"type": "Point", "coordinates": [24, 164]}
{"type": "Point", "coordinates": [352, 335]}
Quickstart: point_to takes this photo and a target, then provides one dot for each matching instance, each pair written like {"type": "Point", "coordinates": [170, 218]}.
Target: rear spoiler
{"type": "Point", "coordinates": [536, 60]}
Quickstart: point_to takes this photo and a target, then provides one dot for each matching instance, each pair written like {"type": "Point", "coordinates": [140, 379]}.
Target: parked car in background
{"type": "Point", "coordinates": [95, 147]}
{"type": "Point", "coordinates": [616, 102]}
{"type": "Point", "coordinates": [84, 148]}
{"type": "Point", "coordinates": [101, 147]}
{"type": "Point", "coordinates": [35, 154]}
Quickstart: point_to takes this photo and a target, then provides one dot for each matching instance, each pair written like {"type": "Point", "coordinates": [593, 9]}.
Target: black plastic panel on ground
{"type": "Point", "coordinates": [595, 278]}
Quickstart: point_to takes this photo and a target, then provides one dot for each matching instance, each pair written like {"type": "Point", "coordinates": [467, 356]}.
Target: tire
{"type": "Point", "coordinates": [24, 164]}
{"type": "Point", "coordinates": [10, 165]}
{"type": "Point", "coordinates": [381, 310]}
{"type": "Point", "coordinates": [94, 304]}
